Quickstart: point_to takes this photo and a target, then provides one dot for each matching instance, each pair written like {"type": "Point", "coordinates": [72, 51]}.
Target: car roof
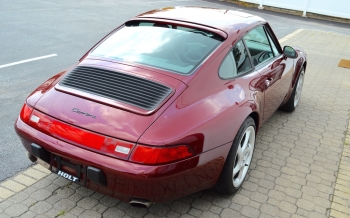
{"type": "Point", "coordinates": [226, 20]}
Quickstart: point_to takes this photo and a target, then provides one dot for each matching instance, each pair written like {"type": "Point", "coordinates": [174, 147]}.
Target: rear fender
{"type": "Point", "coordinates": [34, 97]}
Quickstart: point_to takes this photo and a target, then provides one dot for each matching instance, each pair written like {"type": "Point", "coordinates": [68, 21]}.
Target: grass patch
{"type": "Point", "coordinates": [67, 186]}
{"type": "Point", "coordinates": [61, 213]}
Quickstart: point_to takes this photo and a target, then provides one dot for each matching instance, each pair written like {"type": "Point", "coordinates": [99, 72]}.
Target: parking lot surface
{"type": "Point", "coordinates": [300, 167]}
{"type": "Point", "coordinates": [66, 30]}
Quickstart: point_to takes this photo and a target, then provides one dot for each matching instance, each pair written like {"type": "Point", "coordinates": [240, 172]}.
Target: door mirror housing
{"type": "Point", "coordinates": [289, 52]}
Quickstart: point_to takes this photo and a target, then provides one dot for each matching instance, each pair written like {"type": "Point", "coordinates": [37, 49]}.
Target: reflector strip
{"type": "Point", "coordinates": [34, 119]}
{"type": "Point", "coordinates": [122, 149]}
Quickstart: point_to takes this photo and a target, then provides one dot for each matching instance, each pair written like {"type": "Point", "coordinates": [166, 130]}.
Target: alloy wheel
{"type": "Point", "coordinates": [244, 156]}
{"type": "Point", "coordinates": [298, 89]}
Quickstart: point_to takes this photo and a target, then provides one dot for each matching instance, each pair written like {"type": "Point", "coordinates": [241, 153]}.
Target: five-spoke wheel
{"type": "Point", "coordinates": [243, 156]}
{"type": "Point", "coordinates": [238, 160]}
{"type": "Point", "coordinates": [294, 98]}
{"type": "Point", "coordinates": [298, 89]}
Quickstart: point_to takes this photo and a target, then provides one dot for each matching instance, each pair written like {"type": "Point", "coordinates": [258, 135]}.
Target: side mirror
{"type": "Point", "coordinates": [289, 52]}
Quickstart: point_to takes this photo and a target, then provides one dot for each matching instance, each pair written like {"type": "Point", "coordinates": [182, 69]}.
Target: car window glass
{"type": "Point", "coordinates": [242, 59]}
{"type": "Point", "coordinates": [258, 45]}
{"type": "Point", "coordinates": [146, 24]}
{"type": "Point", "coordinates": [273, 46]}
{"type": "Point", "coordinates": [228, 67]}
{"type": "Point", "coordinates": [166, 46]}
{"type": "Point", "coordinates": [236, 62]}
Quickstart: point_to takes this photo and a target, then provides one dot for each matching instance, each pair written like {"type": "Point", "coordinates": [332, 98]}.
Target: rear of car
{"type": "Point", "coordinates": [85, 123]}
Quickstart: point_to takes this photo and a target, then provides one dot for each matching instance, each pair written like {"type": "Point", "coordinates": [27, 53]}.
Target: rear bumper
{"type": "Point", "coordinates": [127, 180]}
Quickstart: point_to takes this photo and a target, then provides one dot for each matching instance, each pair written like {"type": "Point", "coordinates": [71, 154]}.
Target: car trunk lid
{"type": "Point", "coordinates": [106, 115]}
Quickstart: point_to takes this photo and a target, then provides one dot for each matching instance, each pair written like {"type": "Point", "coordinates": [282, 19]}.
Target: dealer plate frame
{"type": "Point", "coordinates": [79, 169]}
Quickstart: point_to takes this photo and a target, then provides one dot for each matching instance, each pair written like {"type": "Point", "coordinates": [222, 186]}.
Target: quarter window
{"type": "Point", "coordinates": [236, 62]}
{"type": "Point", "coordinates": [258, 45]}
{"type": "Point", "coordinates": [241, 58]}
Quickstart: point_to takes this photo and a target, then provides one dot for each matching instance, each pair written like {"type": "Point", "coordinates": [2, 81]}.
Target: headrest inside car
{"type": "Point", "coordinates": [160, 25]}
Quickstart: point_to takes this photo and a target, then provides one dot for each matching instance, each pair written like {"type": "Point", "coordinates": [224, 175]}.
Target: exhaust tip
{"type": "Point", "coordinates": [31, 157]}
{"type": "Point", "coordinates": [141, 203]}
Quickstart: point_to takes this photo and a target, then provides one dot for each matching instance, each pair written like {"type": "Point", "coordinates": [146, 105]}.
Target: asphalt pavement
{"type": "Point", "coordinates": [300, 166]}
{"type": "Point", "coordinates": [33, 28]}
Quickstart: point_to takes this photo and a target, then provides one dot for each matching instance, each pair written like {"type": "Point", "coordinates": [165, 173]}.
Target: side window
{"type": "Point", "coordinates": [228, 67]}
{"type": "Point", "coordinates": [241, 58]}
{"type": "Point", "coordinates": [236, 62]}
{"type": "Point", "coordinates": [258, 45]}
{"type": "Point", "coordinates": [273, 46]}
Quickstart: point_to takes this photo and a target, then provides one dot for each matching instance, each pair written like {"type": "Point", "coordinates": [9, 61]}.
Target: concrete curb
{"type": "Point", "coordinates": [290, 11]}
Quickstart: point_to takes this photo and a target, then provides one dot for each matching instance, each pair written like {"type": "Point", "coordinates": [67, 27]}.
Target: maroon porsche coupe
{"type": "Point", "coordinates": [165, 105]}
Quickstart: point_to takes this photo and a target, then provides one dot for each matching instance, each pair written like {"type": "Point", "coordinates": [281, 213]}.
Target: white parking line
{"type": "Point", "coordinates": [285, 38]}
{"type": "Point", "coordinates": [27, 60]}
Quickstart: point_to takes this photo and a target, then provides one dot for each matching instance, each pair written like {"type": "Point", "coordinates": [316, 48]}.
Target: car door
{"type": "Point", "coordinates": [276, 70]}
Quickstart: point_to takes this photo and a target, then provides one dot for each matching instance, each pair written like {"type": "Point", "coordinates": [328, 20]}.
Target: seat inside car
{"type": "Point", "coordinates": [160, 25]}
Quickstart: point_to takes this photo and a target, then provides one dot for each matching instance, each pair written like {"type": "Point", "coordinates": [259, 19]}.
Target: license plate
{"type": "Point", "coordinates": [59, 162]}
{"type": "Point", "coordinates": [67, 176]}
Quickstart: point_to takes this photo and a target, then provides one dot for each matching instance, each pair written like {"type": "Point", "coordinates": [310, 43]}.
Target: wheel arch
{"type": "Point", "coordinates": [256, 118]}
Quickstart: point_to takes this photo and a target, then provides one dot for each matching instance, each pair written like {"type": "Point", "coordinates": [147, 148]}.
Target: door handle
{"type": "Point", "coordinates": [268, 81]}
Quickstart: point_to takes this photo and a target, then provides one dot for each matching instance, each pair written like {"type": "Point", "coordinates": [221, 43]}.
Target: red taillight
{"type": "Point", "coordinates": [156, 155]}
{"type": "Point", "coordinates": [25, 113]}
{"type": "Point", "coordinates": [64, 131]}
{"type": "Point", "coordinates": [78, 136]}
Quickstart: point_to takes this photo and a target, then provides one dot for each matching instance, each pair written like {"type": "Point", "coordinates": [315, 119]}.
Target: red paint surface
{"type": "Point", "coordinates": [128, 180]}
{"type": "Point", "coordinates": [203, 113]}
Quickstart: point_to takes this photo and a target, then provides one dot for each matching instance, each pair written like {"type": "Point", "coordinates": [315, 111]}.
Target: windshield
{"type": "Point", "coordinates": [166, 46]}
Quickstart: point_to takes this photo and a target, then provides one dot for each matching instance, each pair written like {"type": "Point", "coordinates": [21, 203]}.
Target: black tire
{"type": "Point", "coordinates": [225, 183]}
{"type": "Point", "coordinates": [289, 106]}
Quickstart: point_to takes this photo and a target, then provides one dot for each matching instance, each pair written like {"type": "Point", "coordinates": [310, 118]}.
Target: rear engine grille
{"type": "Point", "coordinates": [117, 86]}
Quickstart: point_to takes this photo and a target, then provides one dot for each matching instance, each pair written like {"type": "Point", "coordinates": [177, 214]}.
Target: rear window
{"type": "Point", "coordinates": [166, 46]}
